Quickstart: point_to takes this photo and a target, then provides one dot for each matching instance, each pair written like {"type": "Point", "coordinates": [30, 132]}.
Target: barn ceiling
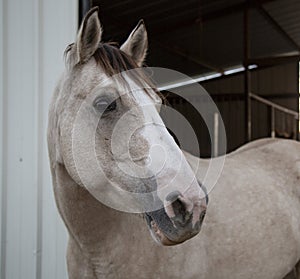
{"type": "Point", "coordinates": [196, 37]}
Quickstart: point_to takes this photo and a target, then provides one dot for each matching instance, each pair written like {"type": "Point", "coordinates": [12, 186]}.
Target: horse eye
{"type": "Point", "coordinates": [105, 106]}
{"type": "Point", "coordinates": [112, 106]}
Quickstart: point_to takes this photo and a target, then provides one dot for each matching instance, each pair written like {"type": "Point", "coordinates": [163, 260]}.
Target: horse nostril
{"type": "Point", "coordinates": [182, 216]}
{"type": "Point", "coordinates": [177, 209]}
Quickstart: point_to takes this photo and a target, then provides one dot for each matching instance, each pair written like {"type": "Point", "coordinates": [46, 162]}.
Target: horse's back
{"type": "Point", "coordinates": [271, 159]}
{"type": "Point", "coordinates": [289, 149]}
{"type": "Point", "coordinates": [255, 210]}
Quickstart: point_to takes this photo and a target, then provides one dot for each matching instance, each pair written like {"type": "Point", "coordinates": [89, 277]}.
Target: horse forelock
{"type": "Point", "coordinates": [114, 61]}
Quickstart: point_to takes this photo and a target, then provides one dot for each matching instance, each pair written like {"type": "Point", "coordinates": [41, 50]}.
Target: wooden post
{"type": "Point", "coordinates": [272, 122]}
{"type": "Point", "coordinates": [216, 135]}
{"type": "Point", "coordinates": [247, 81]}
{"type": "Point", "coordinates": [296, 128]}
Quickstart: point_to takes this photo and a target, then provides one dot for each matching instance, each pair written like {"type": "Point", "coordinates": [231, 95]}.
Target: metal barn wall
{"type": "Point", "coordinates": [279, 84]}
{"type": "Point", "coordinates": [193, 124]}
{"type": "Point", "coordinates": [33, 36]}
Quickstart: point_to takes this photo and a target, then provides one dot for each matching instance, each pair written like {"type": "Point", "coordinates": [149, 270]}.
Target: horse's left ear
{"type": "Point", "coordinates": [89, 36]}
{"type": "Point", "coordinates": [136, 45]}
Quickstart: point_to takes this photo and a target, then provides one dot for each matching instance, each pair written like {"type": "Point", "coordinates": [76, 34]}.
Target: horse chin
{"type": "Point", "coordinates": [157, 234]}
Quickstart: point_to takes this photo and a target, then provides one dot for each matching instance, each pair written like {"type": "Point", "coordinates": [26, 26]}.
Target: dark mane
{"type": "Point", "coordinates": [110, 58]}
{"type": "Point", "coordinates": [113, 60]}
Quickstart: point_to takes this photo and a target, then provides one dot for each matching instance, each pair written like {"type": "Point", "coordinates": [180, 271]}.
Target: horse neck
{"type": "Point", "coordinates": [198, 165]}
{"type": "Point", "coordinates": [89, 222]}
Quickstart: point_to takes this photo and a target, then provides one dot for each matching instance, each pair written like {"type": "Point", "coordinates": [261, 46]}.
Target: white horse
{"type": "Point", "coordinates": [252, 223]}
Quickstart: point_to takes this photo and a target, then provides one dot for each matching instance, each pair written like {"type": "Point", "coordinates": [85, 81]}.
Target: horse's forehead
{"type": "Point", "coordinates": [138, 92]}
{"type": "Point", "coordinates": [126, 89]}
{"type": "Point", "coordinates": [94, 80]}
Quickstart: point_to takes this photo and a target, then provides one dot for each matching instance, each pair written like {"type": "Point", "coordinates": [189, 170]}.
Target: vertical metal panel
{"type": "Point", "coordinates": [33, 36]}
{"type": "Point", "coordinates": [2, 189]}
{"type": "Point", "coordinates": [57, 34]}
{"type": "Point", "coordinates": [21, 140]}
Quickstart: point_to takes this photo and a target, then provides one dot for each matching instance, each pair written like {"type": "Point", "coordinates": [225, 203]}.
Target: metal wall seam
{"type": "Point", "coordinates": [3, 118]}
{"type": "Point", "coordinates": [40, 138]}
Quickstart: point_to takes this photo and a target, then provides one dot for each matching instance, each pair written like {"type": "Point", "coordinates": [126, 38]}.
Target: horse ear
{"type": "Point", "coordinates": [89, 36]}
{"type": "Point", "coordinates": [136, 45]}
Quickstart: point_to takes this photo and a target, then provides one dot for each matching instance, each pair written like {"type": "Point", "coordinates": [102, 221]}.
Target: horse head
{"type": "Point", "coordinates": [112, 140]}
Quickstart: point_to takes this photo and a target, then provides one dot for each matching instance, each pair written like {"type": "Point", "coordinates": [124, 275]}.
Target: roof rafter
{"type": "Point", "coordinates": [180, 52]}
{"type": "Point", "coordinates": [276, 25]}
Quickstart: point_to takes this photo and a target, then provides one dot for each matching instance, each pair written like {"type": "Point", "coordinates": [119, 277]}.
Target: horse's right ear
{"type": "Point", "coordinates": [89, 36]}
{"type": "Point", "coordinates": [137, 43]}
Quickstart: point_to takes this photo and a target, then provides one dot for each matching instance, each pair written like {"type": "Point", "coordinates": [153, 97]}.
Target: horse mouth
{"type": "Point", "coordinates": [178, 226]}
{"type": "Point", "coordinates": [157, 234]}
{"type": "Point", "coordinates": [163, 231]}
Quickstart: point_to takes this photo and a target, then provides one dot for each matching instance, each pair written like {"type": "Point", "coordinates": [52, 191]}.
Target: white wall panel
{"type": "Point", "coordinates": [33, 36]}
{"type": "Point", "coordinates": [21, 133]}
{"type": "Point", "coordinates": [55, 15]}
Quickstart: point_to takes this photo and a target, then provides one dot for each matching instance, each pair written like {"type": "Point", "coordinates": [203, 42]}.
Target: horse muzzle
{"type": "Point", "coordinates": [178, 220]}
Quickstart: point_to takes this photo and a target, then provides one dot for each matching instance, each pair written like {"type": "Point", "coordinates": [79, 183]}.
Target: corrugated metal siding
{"type": "Point", "coordinates": [274, 80]}
{"type": "Point", "coordinates": [285, 12]}
{"type": "Point", "coordinates": [197, 36]}
{"type": "Point", "coordinates": [274, 83]}
{"type": "Point", "coordinates": [33, 35]}
{"type": "Point", "coordinates": [278, 84]}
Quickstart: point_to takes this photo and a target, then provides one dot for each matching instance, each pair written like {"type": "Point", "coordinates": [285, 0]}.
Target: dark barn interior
{"type": "Point", "coordinates": [244, 53]}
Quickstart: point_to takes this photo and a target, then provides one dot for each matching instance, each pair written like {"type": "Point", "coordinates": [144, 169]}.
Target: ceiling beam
{"type": "Point", "coordinates": [274, 60]}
